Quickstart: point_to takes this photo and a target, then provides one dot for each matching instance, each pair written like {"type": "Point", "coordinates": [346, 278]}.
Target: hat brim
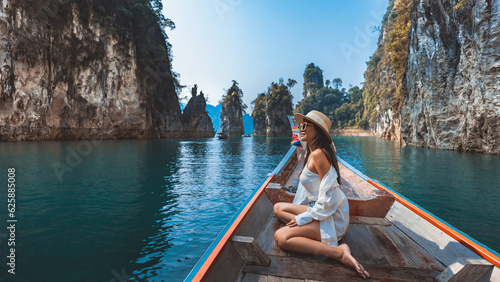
{"type": "Point", "coordinates": [299, 118]}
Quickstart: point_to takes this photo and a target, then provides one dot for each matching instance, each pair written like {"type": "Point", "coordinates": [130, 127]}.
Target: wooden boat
{"type": "Point", "coordinates": [223, 135]}
{"type": "Point", "coordinates": [393, 238]}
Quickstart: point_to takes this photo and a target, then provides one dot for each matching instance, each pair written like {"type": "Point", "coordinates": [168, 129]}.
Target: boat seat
{"type": "Point", "coordinates": [250, 251]}
{"type": "Point", "coordinates": [465, 269]}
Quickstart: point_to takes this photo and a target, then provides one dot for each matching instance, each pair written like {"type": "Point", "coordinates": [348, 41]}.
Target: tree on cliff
{"type": "Point", "coordinates": [232, 111]}
{"type": "Point", "coordinates": [271, 110]}
{"type": "Point", "coordinates": [386, 68]}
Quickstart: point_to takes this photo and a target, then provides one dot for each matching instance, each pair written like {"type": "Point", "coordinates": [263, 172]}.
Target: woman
{"type": "Point", "coordinates": [317, 228]}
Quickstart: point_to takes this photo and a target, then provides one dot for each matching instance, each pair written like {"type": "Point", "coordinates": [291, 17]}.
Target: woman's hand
{"type": "Point", "coordinates": [292, 223]}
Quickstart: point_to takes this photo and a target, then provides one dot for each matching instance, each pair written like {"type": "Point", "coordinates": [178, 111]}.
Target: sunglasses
{"type": "Point", "coordinates": [303, 126]}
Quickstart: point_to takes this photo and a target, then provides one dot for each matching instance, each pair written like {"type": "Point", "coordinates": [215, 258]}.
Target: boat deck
{"type": "Point", "coordinates": [392, 242]}
{"type": "Point", "coordinates": [382, 248]}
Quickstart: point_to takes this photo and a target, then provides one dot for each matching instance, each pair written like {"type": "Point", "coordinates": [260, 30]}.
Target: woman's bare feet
{"type": "Point", "coordinates": [348, 260]}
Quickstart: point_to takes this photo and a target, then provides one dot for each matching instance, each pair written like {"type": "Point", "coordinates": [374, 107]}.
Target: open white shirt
{"type": "Point", "coordinates": [331, 207]}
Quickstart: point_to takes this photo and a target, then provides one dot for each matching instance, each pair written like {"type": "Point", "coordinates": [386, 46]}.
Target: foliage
{"type": "Point", "coordinates": [460, 5]}
{"type": "Point", "coordinates": [275, 104]}
{"type": "Point", "coordinates": [399, 48]}
{"type": "Point", "coordinates": [313, 78]}
{"type": "Point", "coordinates": [233, 98]}
{"type": "Point", "coordinates": [385, 69]}
{"type": "Point", "coordinates": [343, 108]}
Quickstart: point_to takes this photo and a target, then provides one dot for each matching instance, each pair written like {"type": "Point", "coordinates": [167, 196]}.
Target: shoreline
{"type": "Point", "coordinates": [352, 132]}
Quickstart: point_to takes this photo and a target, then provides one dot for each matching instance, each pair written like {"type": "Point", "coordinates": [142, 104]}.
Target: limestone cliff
{"type": "Point", "coordinates": [197, 123]}
{"type": "Point", "coordinates": [259, 115]}
{"type": "Point", "coordinates": [381, 84]}
{"type": "Point", "coordinates": [447, 79]}
{"type": "Point", "coordinates": [313, 79]}
{"type": "Point", "coordinates": [271, 111]}
{"type": "Point", "coordinates": [452, 81]}
{"type": "Point", "coordinates": [231, 114]}
{"type": "Point", "coordinates": [85, 69]}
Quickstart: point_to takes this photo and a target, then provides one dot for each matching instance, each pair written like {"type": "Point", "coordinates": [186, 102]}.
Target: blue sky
{"type": "Point", "coordinates": [256, 42]}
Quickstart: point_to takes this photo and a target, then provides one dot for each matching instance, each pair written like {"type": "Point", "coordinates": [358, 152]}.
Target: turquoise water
{"type": "Point", "coordinates": [148, 209]}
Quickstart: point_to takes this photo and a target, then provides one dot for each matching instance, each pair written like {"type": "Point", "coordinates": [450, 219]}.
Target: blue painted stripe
{"type": "Point", "coordinates": [360, 174]}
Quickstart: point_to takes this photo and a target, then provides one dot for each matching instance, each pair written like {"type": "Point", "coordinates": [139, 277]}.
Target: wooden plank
{"type": "Point", "coordinates": [465, 270]}
{"type": "Point", "coordinates": [252, 277]}
{"type": "Point", "coordinates": [368, 220]}
{"type": "Point", "coordinates": [255, 220]}
{"type": "Point", "coordinates": [414, 252]}
{"type": "Point", "coordinates": [492, 275]}
{"type": "Point", "coordinates": [271, 278]}
{"type": "Point", "coordinates": [363, 247]}
{"type": "Point", "coordinates": [362, 188]}
{"type": "Point", "coordinates": [442, 246]}
{"type": "Point", "coordinates": [250, 251]}
{"type": "Point", "coordinates": [227, 266]}
{"type": "Point", "coordinates": [266, 238]}
{"type": "Point", "coordinates": [329, 270]}
{"type": "Point", "coordinates": [388, 248]}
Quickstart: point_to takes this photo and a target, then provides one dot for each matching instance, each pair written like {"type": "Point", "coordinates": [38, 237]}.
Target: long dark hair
{"type": "Point", "coordinates": [321, 141]}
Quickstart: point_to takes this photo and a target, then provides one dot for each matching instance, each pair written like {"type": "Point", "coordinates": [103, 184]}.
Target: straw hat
{"type": "Point", "coordinates": [320, 120]}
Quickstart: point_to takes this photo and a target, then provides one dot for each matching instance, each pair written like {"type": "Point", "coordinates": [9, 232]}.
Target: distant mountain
{"type": "Point", "coordinates": [214, 114]}
{"type": "Point", "coordinates": [248, 124]}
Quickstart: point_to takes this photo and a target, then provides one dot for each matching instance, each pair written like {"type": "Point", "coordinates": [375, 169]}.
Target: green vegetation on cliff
{"type": "Point", "coordinates": [232, 111]}
{"type": "Point", "coordinates": [343, 108]}
{"type": "Point", "coordinates": [385, 69]}
{"type": "Point", "coordinates": [313, 79]}
{"type": "Point", "coordinates": [271, 110]}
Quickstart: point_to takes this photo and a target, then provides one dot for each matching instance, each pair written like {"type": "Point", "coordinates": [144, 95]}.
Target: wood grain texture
{"type": "Point", "coordinates": [465, 270]}
{"type": "Point", "coordinates": [329, 270]}
{"type": "Point", "coordinates": [446, 249]}
{"type": "Point", "coordinates": [256, 218]}
{"type": "Point", "coordinates": [250, 251]}
{"type": "Point", "coordinates": [363, 247]}
{"type": "Point", "coordinates": [227, 266]}
{"type": "Point", "coordinates": [414, 252]}
{"type": "Point", "coordinates": [388, 247]}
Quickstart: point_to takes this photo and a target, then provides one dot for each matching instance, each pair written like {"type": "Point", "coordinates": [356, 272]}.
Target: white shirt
{"type": "Point", "coordinates": [331, 208]}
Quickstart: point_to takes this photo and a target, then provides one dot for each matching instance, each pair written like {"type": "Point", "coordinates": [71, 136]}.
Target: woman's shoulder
{"type": "Point", "coordinates": [319, 156]}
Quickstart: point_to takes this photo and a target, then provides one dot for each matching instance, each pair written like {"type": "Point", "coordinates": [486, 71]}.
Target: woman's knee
{"type": "Point", "coordinates": [278, 208]}
{"type": "Point", "coordinates": [281, 236]}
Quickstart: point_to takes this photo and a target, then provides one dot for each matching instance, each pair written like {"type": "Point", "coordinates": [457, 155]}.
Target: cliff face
{"type": "Point", "coordinates": [381, 85]}
{"type": "Point", "coordinates": [452, 81]}
{"type": "Point", "coordinates": [259, 115]}
{"type": "Point", "coordinates": [271, 111]}
{"type": "Point", "coordinates": [313, 79]}
{"type": "Point", "coordinates": [85, 70]}
{"type": "Point", "coordinates": [197, 123]}
{"type": "Point", "coordinates": [231, 114]}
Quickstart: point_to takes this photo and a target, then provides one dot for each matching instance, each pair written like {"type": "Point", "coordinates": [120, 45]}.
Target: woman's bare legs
{"type": "Point", "coordinates": [307, 238]}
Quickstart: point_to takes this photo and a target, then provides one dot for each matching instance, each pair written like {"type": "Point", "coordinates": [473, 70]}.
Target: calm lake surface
{"type": "Point", "coordinates": [148, 209]}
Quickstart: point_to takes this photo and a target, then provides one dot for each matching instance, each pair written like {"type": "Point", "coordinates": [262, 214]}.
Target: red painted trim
{"type": "Point", "coordinates": [222, 243]}
{"type": "Point", "coordinates": [443, 227]}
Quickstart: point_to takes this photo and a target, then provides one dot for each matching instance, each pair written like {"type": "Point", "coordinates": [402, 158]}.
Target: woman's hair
{"type": "Point", "coordinates": [321, 141]}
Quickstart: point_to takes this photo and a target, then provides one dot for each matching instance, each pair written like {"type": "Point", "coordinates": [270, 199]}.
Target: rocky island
{"type": "Point", "coordinates": [86, 70]}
